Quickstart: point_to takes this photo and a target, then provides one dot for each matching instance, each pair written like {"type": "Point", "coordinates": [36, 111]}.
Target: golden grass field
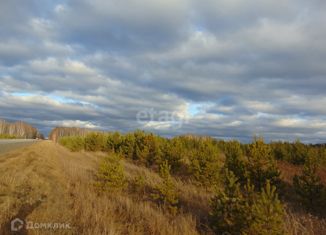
{"type": "Point", "coordinates": [45, 182]}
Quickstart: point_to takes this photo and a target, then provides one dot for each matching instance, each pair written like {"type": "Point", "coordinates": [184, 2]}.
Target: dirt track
{"type": "Point", "coordinates": [35, 185]}
{"type": "Point", "coordinates": [9, 145]}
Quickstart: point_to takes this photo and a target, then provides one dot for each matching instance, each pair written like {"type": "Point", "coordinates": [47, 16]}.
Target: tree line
{"type": "Point", "coordinates": [18, 130]}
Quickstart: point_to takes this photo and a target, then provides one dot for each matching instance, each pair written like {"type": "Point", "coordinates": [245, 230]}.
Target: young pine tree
{"type": "Point", "coordinates": [235, 160]}
{"type": "Point", "coordinates": [114, 142]}
{"type": "Point", "coordinates": [261, 164]}
{"type": "Point", "coordinates": [141, 150]}
{"type": "Point", "coordinates": [166, 192]}
{"type": "Point", "coordinates": [266, 214]}
{"type": "Point", "coordinates": [229, 207]}
{"type": "Point", "coordinates": [154, 153]}
{"type": "Point", "coordinates": [174, 152]}
{"type": "Point", "coordinates": [73, 143]}
{"type": "Point", "coordinates": [111, 175]}
{"type": "Point", "coordinates": [299, 153]}
{"type": "Point", "coordinates": [205, 163]}
{"type": "Point", "coordinates": [95, 141]}
{"type": "Point", "coordinates": [245, 211]}
{"type": "Point", "coordinates": [308, 185]}
{"type": "Point", "coordinates": [127, 145]}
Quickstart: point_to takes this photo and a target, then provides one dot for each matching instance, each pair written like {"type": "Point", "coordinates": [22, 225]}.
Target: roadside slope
{"type": "Point", "coordinates": [47, 183]}
{"type": "Point", "coordinates": [35, 182]}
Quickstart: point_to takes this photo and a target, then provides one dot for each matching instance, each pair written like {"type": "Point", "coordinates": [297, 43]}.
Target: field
{"type": "Point", "coordinates": [46, 183]}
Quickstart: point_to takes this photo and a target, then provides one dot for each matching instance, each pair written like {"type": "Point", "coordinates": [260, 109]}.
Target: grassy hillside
{"type": "Point", "coordinates": [242, 181]}
{"type": "Point", "coordinates": [46, 182]}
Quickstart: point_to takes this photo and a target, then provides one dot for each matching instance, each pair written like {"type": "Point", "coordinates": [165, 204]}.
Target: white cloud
{"type": "Point", "coordinates": [73, 123]}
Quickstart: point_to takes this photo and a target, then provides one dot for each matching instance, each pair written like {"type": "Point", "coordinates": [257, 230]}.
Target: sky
{"type": "Point", "coordinates": [224, 68]}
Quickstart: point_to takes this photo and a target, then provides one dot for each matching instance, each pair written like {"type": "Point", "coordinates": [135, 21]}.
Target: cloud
{"type": "Point", "coordinates": [231, 69]}
{"type": "Point", "coordinates": [123, 27]}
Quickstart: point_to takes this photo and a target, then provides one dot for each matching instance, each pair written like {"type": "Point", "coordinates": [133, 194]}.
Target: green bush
{"type": "Point", "coordinates": [73, 143]}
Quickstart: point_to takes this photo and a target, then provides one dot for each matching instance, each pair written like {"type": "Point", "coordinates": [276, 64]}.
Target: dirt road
{"type": "Point", "coordinates": [9, 145]}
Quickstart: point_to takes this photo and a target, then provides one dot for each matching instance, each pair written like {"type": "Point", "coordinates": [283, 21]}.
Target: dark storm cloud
{"type": "Point", "coordinates": [123, 27]}
{"type": "Point", "coordinates": [229, 69]}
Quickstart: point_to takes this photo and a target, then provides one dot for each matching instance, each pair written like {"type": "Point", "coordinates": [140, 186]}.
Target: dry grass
{"type": "Point", "coordinates": [33, 186]}
{"type": "Point", "coordinates": [301, 223]}
{"type": "Point", "coordinates": [288, 171]}
{"type": "Point", "coordinates": [46, 183]}
{"type": "Point", "coordinates": [298, 221]}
